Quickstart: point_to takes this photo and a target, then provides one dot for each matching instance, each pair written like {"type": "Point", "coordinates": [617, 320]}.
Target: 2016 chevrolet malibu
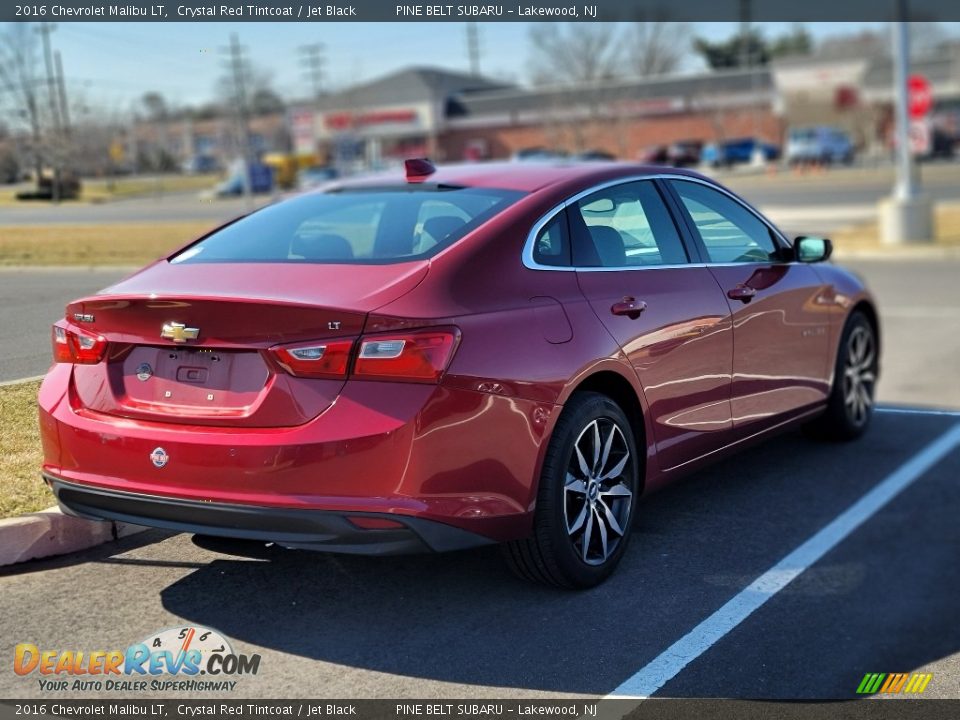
{"type": "Point", "coordinates": [453, 357]}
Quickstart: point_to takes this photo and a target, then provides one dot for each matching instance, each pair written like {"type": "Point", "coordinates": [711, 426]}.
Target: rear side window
{"type": "Point", "coordinates": [380, 225]}
{"type": "Point", "coordinates": [552, 245]}
{"type": "Point", "coordinates": [625, 226]}
{"type": "Point", "coordinates": [730, 232]}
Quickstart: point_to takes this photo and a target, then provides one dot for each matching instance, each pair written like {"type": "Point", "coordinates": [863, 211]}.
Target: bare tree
{"type": "Point", "coordinates": [155, 106]}
{"type": "Point", "coordinates": [573, 53]}
{"type": "Point", "coordinates": [572, 57]}
{"type": "Point", "coordinates": [258, 90]}
{"type": "Point", "coordinates": [20, 82]}
{"type": "Point", "coordinates": [657, 47]}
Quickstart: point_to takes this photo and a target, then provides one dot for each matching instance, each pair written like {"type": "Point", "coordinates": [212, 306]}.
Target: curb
{"type": "Point", "coordinates": [49, 532]}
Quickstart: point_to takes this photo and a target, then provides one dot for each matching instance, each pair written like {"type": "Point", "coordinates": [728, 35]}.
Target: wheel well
{"type": "Point", "coordinates": [618, 388]}
{"type": "Point", "coordinates": [870, 312]}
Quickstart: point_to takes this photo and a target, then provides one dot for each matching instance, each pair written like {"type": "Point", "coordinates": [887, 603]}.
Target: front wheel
{"type": "Point", "coordinates": [850, 406]}
{"type": "Point", "coordinates": [586, 498]}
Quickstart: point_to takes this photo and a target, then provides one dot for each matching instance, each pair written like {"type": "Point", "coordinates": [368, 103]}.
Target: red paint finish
{"type": "Point", "coordinates": [780, 359]}
{"type": "Point", "coordinates": [494, 350]}
{"type": "Point", "coordinates": [681, 347]}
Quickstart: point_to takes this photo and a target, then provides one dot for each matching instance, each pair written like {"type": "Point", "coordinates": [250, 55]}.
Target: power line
{"type": "Point", "coordinates": [44, 29]}
{"type": "Point", "coordinates": [473, 47]}
{"type": "Point", "coordinates": [62, 93]}
{"type": "Point", "coordinates": [313, 61]}
{"type": "Point", "coordinates": [237, 65]}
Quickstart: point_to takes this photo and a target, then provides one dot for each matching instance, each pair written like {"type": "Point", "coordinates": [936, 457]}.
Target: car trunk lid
{"type": "Point", "coordinates": [190, 343]}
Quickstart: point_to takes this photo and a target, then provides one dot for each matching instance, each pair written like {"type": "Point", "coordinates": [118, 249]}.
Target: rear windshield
{"type": "Point", "coordinates": [379, 225]}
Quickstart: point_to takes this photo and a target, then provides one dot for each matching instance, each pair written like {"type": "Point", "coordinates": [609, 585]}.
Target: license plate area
{"type": "Point", "coordinates": [192, 380]}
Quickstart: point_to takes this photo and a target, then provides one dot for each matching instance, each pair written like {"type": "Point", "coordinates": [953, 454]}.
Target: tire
{"type": "Point", "coordinates": [850, 406]}
{"type": "Point", "coordinates": [595, 508]}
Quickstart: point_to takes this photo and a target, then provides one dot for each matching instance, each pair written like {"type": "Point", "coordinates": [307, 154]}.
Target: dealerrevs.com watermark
{"type": "Point", "coordinates": [182, 659]}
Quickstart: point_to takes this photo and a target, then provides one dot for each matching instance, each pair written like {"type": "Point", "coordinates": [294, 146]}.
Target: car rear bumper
{"type": "Point", "coordinates": [291, 528]}
{"type": "Point", "coordinates": [443, 455]}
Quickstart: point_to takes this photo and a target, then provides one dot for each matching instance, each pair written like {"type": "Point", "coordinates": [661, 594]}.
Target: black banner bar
{"type": "Point", "coordinates": [447, 11]}
{"type": "Point", "coordinates": [574, 709]}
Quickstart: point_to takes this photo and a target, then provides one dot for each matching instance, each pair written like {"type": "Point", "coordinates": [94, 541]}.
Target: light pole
{"type": "Point", "coordinates": [906, 216]}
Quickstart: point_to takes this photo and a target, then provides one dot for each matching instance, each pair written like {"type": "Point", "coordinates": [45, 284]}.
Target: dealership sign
{"type": "Point", "coordinates": [350, 120]}
{"type": "Point", "coordinates": [302, 129]}
{"type": "Point", "coordinates": [921, 136]}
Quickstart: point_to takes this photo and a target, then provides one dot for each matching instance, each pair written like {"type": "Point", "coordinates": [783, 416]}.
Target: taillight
{"type": "Point", "coordinates": [413, 357]}
{"type": "Point", "coordinates": [316, 360]}
{"type": "Point", "coordinates": [72, 345]}
{"type": "Point", "coordinates": [416, 356]}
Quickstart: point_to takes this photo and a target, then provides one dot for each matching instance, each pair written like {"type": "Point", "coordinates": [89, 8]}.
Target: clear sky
{"type": "Point", "coordinates": [110, 65]}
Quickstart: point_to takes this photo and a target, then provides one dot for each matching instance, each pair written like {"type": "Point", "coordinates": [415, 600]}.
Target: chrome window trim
{"type": "Point", "coordinates": [532, 264]}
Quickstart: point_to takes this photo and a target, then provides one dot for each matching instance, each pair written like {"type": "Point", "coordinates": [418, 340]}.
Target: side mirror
{"type": "Point", "coordinates": [812, 249]}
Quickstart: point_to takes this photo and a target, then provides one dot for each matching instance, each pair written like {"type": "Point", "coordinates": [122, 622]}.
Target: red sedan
{"type": "Point", "coordinates": [452, 357]}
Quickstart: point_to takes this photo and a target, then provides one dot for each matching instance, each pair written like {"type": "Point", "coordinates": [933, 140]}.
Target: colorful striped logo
{"type": "Point", "coordinates": [892, 683]}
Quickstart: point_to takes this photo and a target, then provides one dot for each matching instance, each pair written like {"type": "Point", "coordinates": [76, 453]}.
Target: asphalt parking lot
{"type": "Point", "coordinates": [882, 596]}
{"type": "Point", "coordinates": [884, 599]}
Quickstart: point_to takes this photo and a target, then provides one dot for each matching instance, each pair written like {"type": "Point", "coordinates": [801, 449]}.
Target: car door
{"type": "Point", "coordinates": [668, 315]}
{"type": "Point", "coordinates": [779, 308]}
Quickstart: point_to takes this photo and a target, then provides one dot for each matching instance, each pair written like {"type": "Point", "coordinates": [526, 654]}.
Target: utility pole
{"type": "Point", "coordinates": [313, 62]}
{"type": "Point", "coordinates": [44, 29]}
{"type": "Point", "coordinates": [473, 47]}
{"type": "Point", "coordinates": [758, 157]}
{"type": "Point", "coordinates": [907, 185]}
{"type": "Point", "coordinates": [745, 34]}
{"type": "Point", "coordinates": [906, 216]}
{"type": "Point", "coordinates": [62, 94]}
{"type": "Point", "coordinates": [236, 64]}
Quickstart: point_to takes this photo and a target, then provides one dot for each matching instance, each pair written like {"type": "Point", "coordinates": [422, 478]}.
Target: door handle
{"type": "Point", "coordinates": [629, 306]}
{"type": "Point", "coordinates": [743, 293]}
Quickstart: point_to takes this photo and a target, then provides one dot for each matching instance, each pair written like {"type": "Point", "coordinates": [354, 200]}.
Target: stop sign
{"type": "Point", "coordinates": [920, 97]}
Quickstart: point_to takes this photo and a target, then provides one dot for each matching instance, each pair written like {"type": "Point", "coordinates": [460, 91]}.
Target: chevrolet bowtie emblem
{"type": "Point", "coordinates": [178, 332]}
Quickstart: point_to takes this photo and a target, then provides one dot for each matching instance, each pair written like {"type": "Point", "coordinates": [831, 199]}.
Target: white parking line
{"type": "Point", "coordinates": [896, 410]}
{"type": "Point", "coordinates": [671, 661]}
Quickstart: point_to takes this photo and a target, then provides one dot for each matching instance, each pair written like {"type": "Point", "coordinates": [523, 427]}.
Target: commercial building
{"type": "Point", "coordinates": [452, 116]}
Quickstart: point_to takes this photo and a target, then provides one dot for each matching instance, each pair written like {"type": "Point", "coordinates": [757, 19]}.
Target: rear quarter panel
{"type": "Point", "coordinates": [526, 334]}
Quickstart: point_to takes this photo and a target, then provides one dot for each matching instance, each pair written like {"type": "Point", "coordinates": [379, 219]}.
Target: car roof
{"type": "Point", "coordinates": [521, 176]}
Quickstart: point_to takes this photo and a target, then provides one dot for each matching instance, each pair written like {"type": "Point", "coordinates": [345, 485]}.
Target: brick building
{"type": "Point", "coordinates": [452, 116]}
{"type": "Point", "coordinates": [623, 118]}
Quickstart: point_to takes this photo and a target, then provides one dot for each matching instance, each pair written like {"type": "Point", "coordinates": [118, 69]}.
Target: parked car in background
{"type": "Point", "coordinates": [537, 153]}
{"type": "Point", "coordinates": [678, 154]}
{"type": "Point", "coordinates": [453, 357]}
{"type": "Point", "coordinates": [69, 187]}
{"type": "Point", "coordinates": [819, 144]}
{"type": "Point", "coordinates": [315, 176]}
{"type": "Point", "coordinates": [261, 180]}
{"type": "Point", "coordinates": [200, 164]}
{"type": "Point", "coordinates": [654, 155]}
{"type": "Point", "coordinates": [737, 152]}
{"type": "Point", "coordinates": [943, 145]}
{"type": "Point", "coordinates": [685, 153]}
{"type": "Point", "coordinates": [601, 155]}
